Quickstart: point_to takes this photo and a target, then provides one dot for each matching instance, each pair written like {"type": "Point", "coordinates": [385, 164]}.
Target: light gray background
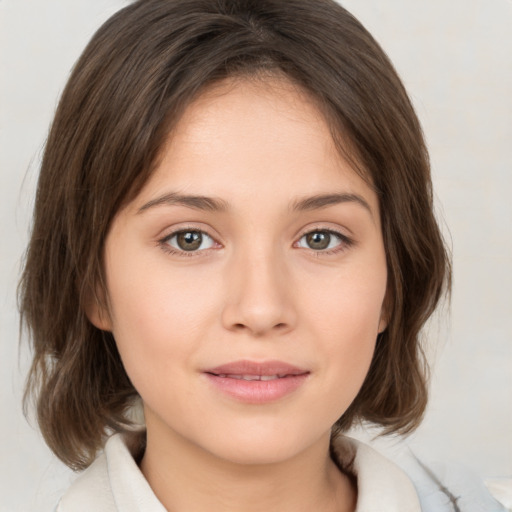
{"type": "Point", "coordinates": [455, 58]}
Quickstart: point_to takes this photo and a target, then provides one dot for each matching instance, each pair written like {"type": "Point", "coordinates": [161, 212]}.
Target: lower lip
{"type": "Point", "coordinates": [257, 391]}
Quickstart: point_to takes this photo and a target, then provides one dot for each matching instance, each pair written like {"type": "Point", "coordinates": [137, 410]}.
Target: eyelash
{"type": "Point", "coordinates": [164, 243]}
{"type": "Point", "coordinates": [344, 242]}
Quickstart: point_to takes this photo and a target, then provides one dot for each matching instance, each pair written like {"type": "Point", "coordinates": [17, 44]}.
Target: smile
{"type": "Point", "coordinates": [256, 383]}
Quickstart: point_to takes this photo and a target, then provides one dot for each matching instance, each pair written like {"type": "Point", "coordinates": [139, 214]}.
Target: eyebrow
{"type": "Point", "coordinates": [210, 204]}
{"type": "Point", "coordinates": [213, 204]}
{"type": "Point", "coordinates": [324, 200]}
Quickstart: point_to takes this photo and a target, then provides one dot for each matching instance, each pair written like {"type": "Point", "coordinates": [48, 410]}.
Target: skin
{"type": "Point", "coordinates": [255, 290]}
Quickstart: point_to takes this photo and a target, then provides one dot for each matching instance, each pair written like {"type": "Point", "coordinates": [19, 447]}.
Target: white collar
{"type": "Point", "coordinates": [381, 485]}
{"type": "Point", "coordinates": [114, 483]}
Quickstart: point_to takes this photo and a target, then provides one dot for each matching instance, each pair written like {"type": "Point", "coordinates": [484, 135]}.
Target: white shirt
{"type": "Point", "coordinates": [114, 483]}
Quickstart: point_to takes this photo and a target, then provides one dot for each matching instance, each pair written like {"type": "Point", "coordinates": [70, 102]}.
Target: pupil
{"type": "Point", "coordinates": [189, 240]}
{"type": "Point", "coordinates": [318, 240]}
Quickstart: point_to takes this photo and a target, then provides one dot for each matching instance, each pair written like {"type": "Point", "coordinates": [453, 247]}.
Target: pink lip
{"type": "Point", "coordinates": [279, 380]}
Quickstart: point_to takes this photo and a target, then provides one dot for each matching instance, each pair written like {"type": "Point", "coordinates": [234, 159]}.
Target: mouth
{"type": "Point", "coordinates": [256, 383]}
{"type": "Point", "coordinates": [250, 377]}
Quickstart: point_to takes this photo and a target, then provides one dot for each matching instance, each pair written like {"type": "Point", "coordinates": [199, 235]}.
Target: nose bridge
{"type": "Point", "coordinates": [258, 290]}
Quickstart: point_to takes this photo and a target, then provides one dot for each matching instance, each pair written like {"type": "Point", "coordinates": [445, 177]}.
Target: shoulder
{"type": "Point", "coordinates": [452, 486]}
{"type": "Point", "coordinates": [410, 484]}
{"type": "Point", "coordinates": [113, 482]}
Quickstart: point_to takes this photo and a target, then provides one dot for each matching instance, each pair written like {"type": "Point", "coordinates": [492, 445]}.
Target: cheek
{"type": "Point", "coordinates": [158, 320]}
{"type": "Point", "coordinates": [349, 303]}
{"type": "Point", "coordinates": [345, 314]}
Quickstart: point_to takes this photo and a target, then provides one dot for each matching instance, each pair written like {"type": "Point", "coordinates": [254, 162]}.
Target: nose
{"type": "Point", "coordinates": [259, 295]}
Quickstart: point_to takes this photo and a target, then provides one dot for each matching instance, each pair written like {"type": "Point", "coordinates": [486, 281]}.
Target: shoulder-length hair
{"type": "Point", "coordinates": [134, 79]}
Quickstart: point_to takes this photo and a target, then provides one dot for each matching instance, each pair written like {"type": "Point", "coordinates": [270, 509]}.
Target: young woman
{"type": "Point", "coordinates": [233, 227]}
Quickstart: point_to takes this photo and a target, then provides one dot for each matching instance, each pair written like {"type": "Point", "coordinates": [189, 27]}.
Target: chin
{"type": "Point", "coordinates": [261, 448]}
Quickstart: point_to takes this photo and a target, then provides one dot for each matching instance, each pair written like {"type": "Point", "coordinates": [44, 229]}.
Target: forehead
{"type": "Point", "coordinates": [242, 136]}
{"type": "Point", "coordinates": [253, 115]}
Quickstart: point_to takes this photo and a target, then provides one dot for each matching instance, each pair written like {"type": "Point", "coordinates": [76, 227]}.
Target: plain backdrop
{"type": "Point", "coordinates": [455, 58]}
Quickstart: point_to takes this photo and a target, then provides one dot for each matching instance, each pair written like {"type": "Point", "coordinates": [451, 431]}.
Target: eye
{"type": "Point", "coordinates": [189, 240]}
{"type": "Point", "coordinates": [322, 240]}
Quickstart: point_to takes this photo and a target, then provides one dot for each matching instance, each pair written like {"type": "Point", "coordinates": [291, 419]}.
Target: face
{"type": "Point", "coordinates": [246, 280]}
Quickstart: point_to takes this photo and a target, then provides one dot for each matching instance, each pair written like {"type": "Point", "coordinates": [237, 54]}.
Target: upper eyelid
{"type": "Point", "coordinates": [336, 231]}
{"type": "Point", "coordinates": [168, 238]}
{"type": "Point", "coordinates": [328, 230]}
{"type": "Point", "coordinates": [344, 239]}
{"type": "Point", "coordinates": [173, 231]}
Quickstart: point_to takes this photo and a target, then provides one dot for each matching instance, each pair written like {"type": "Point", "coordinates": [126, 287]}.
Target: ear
{"type": "Point", "coordinates": [385, 312]}
{"type": "Point", "coordinates": [383, 322]}
{"type": "Point", "coordinates": [97, 312]}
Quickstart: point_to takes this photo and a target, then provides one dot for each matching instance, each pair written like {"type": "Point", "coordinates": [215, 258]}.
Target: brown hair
{"type": "Point", "coordinates": [138, 73]}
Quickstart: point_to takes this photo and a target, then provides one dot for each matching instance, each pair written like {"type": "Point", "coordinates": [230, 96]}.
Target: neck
{"type": "Point", "coordinates": [186, 478]}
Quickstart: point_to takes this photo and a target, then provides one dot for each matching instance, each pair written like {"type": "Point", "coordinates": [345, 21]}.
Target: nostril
{"type": "Point", "coordinates": [240, 326]}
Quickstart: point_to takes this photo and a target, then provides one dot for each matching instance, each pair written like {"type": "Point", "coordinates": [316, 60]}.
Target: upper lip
{"type": "Point", "coordinates": [265, 368]}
